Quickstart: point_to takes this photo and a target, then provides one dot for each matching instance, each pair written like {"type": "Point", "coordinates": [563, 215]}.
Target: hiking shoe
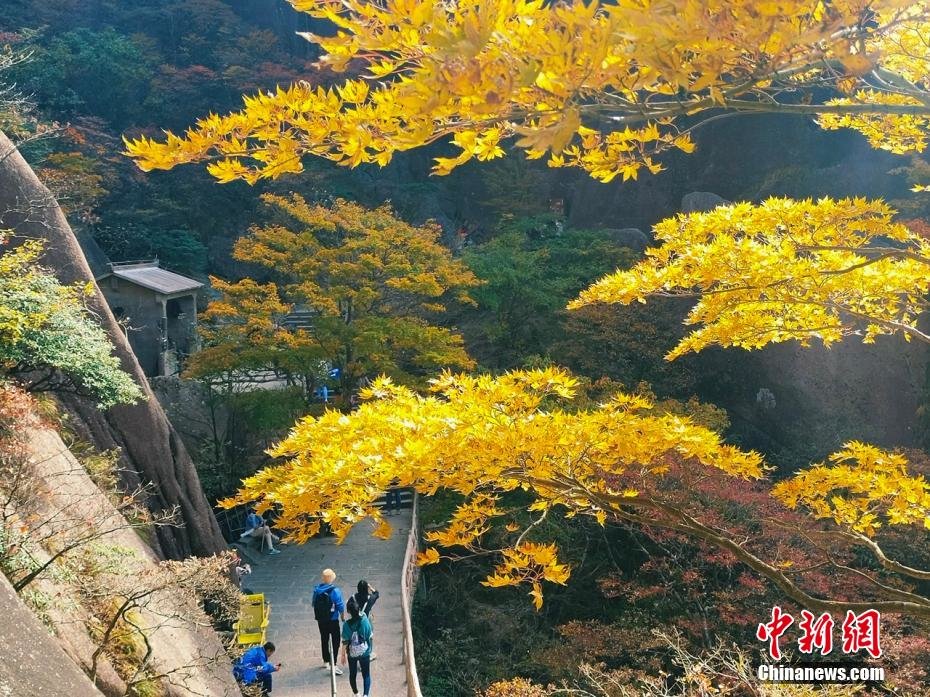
{"type": "Point", "coordinates": [338, 670]}
{"type": "Point", "coordinates": [274, 551]}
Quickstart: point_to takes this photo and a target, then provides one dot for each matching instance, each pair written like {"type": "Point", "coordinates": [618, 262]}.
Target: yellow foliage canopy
{"type": "Point", "coordinates": [346, 258]}
{"type": "Point", "coordinates": [483, 436]}
{"type": "Point", "coordinates": [783, 270]}
{"type": "Point", "coordinates": [372, 282]}
{"type": "Point", "coordinates": [622, 460]}
{"type": "Point", "coordinates": [18, 265]}
{"type": "Point", "coordinates": [863, 488]}
{"type": "Point", "coordinates": [240, 330]}
{"type": "Point", "coordinates": [603, 87]}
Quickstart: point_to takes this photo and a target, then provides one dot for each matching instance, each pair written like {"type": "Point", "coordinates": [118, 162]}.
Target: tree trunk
{"type": "Point", "coordinates": [152, 452]}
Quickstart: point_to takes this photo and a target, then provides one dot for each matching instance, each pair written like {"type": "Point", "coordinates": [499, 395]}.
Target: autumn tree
{"type": "Point", "coordinates": [370, 284]}
{"type": "Point", "coordinates": [622, 461]}
{"type": "Point", "coordinates": [783, 270]}
{"type": "Point", "coordinates": [605, 88]}
{"type": "Point", "coordinates": [610, 89]}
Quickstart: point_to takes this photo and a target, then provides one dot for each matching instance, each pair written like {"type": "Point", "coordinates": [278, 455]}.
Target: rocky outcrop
{"type": "Point", "coordinates": [822, 397]}
{"type": "Point", "coordinates": [701, 201]}
{"type": "Point", "coordinates": [631, 237]}
{"type": "Point", "coordinates": [184, 649]}
{"type": "Point", "coordinates": [152, 451]}
{"type": "Point", "coordinates": [32, 663]}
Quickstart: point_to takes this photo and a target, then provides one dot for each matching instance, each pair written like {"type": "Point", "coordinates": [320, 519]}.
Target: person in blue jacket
{"type": "Point", "coordinates": [255, 526]}
{"type": "Point", "coordinates": [328, 608]}
{"type": "Point", "coordinates": [254, 666]}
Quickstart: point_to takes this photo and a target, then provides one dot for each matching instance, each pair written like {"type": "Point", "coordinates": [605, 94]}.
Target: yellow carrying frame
{"type": "Point", "coordinates": [252, 626]}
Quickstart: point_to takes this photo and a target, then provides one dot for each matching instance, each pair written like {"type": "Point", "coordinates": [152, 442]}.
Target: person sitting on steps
{"type": "Point", "coordinates": [255, 526]}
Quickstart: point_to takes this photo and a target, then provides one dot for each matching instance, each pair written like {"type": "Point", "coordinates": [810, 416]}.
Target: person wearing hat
{"type": "Point", "coordinates": [328, 609]}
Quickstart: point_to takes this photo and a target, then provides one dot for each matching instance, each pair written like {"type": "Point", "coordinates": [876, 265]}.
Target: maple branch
{"type": "Point", "coordinates": [883, 252]}
{"type": "Point", "coordinates": [691, 526]}
{"type": "Point", "coordinates": [828, 552]}
{"type": "Point", "coordinates": [888, 323]}
{"type": "Point", "coordinates": [667, 109]}
{"type": "Point", "coordinates": [885, 561]}
{"type": "Point", "coordinates": [529, 527]}
{"type": "Point", "coordinates": [680, 521]}
{"type": "Point", "coordinates": [890, 590]}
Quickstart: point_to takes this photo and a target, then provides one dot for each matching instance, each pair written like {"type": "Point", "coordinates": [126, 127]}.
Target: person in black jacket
{"type": "Point", "coordinates": [366, 597]}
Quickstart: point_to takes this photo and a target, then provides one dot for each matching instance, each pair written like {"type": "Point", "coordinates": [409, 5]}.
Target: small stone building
{"type": "Point", "coordinates": [158, 309]}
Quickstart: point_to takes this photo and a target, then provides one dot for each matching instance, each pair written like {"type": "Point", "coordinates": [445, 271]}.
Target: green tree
{"type": "Point", "coordinates": [50, 339]}
{"type": "Point", "coordinates": [178, 249]}
{"type": "Point", "coordinates": [91, 72]}
{"type": "Point", "coordinates": [530, 271]}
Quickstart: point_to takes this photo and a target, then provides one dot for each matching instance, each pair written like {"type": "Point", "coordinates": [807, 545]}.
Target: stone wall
{"type": "Point", "coordinates": [139, 312]}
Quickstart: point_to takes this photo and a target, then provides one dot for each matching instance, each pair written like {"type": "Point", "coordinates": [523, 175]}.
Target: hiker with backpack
{"type": "Point", "coordinates": [328, 609]}
{"type": "Point", "coordinates": [366, 597]}
{"type": "Point", "coordinates": [356, 646]}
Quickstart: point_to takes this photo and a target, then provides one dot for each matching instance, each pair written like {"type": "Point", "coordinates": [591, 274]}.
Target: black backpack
{"type": "Point", "coordinates": [323, 605]}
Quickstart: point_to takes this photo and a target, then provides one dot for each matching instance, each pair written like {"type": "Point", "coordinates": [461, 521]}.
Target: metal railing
{"type": "Point", "coordinates": [408, 585]}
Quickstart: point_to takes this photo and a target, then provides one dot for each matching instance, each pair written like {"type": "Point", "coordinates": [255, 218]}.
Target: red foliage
{"type": "Point", "coordinates": [709, 596]}
{"type": "Point", "coordinates": [17, 412]}
{"type": "Point", "coordinates": [918, 226]}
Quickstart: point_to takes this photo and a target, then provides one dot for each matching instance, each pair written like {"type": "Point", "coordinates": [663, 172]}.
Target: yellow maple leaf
{"type": "Point", "coordinates": [429, 556]}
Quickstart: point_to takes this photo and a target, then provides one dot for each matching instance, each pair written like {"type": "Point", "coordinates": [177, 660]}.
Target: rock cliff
{"type": "Point", "coordinates": [151, 450]}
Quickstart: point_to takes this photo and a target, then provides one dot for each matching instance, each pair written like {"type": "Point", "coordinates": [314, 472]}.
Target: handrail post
{"type": "Point", "coordinates": [332, 674]}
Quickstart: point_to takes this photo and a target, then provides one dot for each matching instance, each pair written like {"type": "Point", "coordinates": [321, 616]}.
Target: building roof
{"type": "Point", "coordinates": [150, 275]}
